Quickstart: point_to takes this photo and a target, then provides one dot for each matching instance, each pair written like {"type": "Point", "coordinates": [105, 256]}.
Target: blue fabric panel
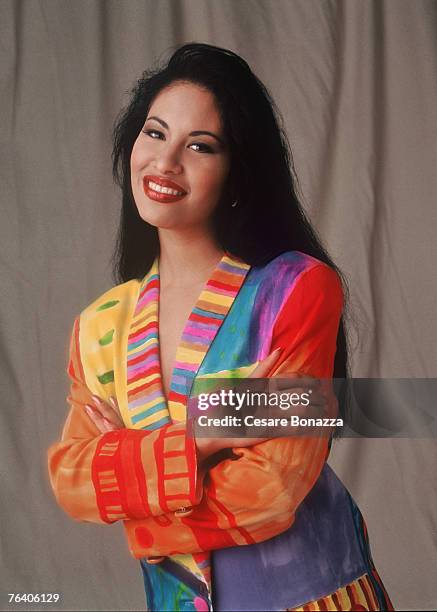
{"type": "Point", "coordinates": [316, 556]}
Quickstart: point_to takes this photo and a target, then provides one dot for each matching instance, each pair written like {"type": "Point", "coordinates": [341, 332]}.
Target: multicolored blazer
{"type": "Point", "coordinates": [269, 528]}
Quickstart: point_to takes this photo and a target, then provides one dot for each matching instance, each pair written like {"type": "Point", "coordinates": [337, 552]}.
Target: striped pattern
{"type": "Point", "coordinates": [106, 481]}
{"type": "Point", "coordinates": [202, 326]}
{"type": "Point", "coordinates": [175, 465]}
{"type": "Point", "coordinates": [357, 595]}
{"type": "Point", "coordinates": [146, 401]}
{"type": "Point", "coordinates": [147, 405]}
{"type": "Point", "coordinates": [130, 483]}
{"type": "Point", "coordinates": [381, 595]}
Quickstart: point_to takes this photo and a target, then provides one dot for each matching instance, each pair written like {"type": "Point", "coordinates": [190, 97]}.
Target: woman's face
{"type": "Point", "coordinates": [179, 161]}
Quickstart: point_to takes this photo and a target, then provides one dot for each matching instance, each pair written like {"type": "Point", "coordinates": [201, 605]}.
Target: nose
{"type": "Point", "coordinates": [168, 160]}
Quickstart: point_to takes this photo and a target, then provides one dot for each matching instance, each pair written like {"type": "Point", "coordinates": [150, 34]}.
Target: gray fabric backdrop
{"type": "Point", "coordinates": [356, 83]}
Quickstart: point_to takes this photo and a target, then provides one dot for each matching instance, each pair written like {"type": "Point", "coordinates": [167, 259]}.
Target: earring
{"type": "Point", "coordinates": [234, 204]}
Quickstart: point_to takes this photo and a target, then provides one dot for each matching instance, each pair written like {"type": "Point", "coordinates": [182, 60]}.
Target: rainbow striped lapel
{"type": "Point", "coordinates": [147, 406]}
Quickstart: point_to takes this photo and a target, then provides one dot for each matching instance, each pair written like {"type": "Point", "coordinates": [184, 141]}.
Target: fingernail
{"type": "Point", "coordinates": [277, 351]}
{"type": "Point", "coordinates": [108, 423]}
{"type": "Point", "coordinates": [96, 398]}
{"type": "Point", "coordinates": [89, 409]}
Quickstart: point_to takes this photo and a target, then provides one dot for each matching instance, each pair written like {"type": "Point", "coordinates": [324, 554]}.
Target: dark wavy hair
{"type": "Point", "coordinates": [268, 219]}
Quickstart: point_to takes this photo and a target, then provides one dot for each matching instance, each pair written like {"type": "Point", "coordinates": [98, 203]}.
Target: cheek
{"type": "Point", "coordinates": [213, 178]}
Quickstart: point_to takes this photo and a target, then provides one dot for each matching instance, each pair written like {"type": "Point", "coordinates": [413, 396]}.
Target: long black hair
{"type": "Point", "coordinates": [268, 219]}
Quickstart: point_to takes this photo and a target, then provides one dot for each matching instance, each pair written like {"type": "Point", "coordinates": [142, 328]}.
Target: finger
{"type": "Point", "coordinates": [108, 411]}
{"type": "Point", "coordinates": [308, 397]}
{"type": "Point", "coordinates": [328, 392]}
{"type": "Point", "coordinates": [114, 404]}
{"type": "Point", "coordinates": [102, 423]}
{"type": "Point", "coordinates": [245, 442]}
{"type": "Point", "coordinates": [311, 411]}
{"type": "Point", "coordinates": [327, 388]}
{"type": "Point", "coordinates": [316, 407]}
{"type": "Point", "coordinates": [333, 407]}
{"type": "Point", "coordinates": [297, 396]}
{"type": "Point", "coordinates": [96, 418]}
{"type": "Point", "coordinates": [109, 426]}
{"type": "Point", "coordinates": [291, 382]}
{"type": "Point", "coordinates": [264, 366]}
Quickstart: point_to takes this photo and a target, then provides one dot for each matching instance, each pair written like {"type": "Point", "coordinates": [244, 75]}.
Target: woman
{"type": "Point", "coordinates": [215, 253]}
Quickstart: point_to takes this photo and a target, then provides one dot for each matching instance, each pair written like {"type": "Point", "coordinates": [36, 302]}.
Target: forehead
{"type": "Point", "coordinates": [188, 106]}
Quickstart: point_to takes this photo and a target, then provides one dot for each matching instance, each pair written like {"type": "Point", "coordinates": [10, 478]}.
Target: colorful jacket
{"type": "Point", "coordinates": [146, 474]}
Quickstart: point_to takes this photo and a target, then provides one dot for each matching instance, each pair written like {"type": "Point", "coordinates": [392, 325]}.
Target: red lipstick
{"type": "Point", "coordinates": [153, 184]}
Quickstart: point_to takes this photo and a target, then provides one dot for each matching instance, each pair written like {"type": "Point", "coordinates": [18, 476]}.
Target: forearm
{"type": "Point", "coordinates": [123, 474]}
{"type": "Point", "coordinates": [204, 530]}
{"type": "Point", "coordinates": [245, 500]}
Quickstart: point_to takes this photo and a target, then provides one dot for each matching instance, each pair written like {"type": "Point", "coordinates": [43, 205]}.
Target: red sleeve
{"type": "Point", "coordinates": [307, 325]}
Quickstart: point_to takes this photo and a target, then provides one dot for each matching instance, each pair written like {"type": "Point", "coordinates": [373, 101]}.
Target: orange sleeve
{"type": "Point", "coordinates": [255, 497]}
{"type": "Point", "coordinates": [123, 474]}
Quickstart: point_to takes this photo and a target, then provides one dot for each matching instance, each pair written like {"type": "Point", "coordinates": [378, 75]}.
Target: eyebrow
{"type": "Point", "coordinates": [195, 133]}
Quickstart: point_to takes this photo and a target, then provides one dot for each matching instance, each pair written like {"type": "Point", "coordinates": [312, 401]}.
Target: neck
{"type": "Point", "coordinates": [186, 258]}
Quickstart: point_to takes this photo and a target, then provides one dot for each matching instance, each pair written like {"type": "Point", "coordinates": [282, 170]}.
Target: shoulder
{"type": "Point", "coordinates": [292, 269]}
{"type": "Point", "coordinates": [312, 301]}
{"type": "Point", "coordinates": [291, 286]}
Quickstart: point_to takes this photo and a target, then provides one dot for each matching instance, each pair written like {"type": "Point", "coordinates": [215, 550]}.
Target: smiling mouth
{"type": "Point", "coordinates": [162, 190]}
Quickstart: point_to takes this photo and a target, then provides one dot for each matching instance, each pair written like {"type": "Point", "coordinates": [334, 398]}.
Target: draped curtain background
{"type": "Point", "coordinates": [356, 82]}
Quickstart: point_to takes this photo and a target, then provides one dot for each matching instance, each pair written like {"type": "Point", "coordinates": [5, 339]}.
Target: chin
{"type": "Point", "coordinates": [168, 218]}
{"type": "Point", "coordinates": [161, 220]}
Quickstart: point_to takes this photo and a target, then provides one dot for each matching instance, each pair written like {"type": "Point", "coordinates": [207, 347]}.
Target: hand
{"type": "Point", "coordinates": [322, 402]}
{"type": "Point", "coordinates": [209, 446]}
{"type": "Point", "coordinates": [105, 415]}
{"type": "Point", "coordinates": [319, 398]}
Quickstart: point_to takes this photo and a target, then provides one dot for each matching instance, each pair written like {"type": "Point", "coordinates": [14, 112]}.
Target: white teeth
{"type": "Point", "coordinates": [161, 189]}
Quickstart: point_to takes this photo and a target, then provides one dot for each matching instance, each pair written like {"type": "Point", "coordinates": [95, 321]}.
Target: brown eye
{"type": "Point", "coordinates": [155, 134]}
{"type": "Point", "coordinates": [201, 147]}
